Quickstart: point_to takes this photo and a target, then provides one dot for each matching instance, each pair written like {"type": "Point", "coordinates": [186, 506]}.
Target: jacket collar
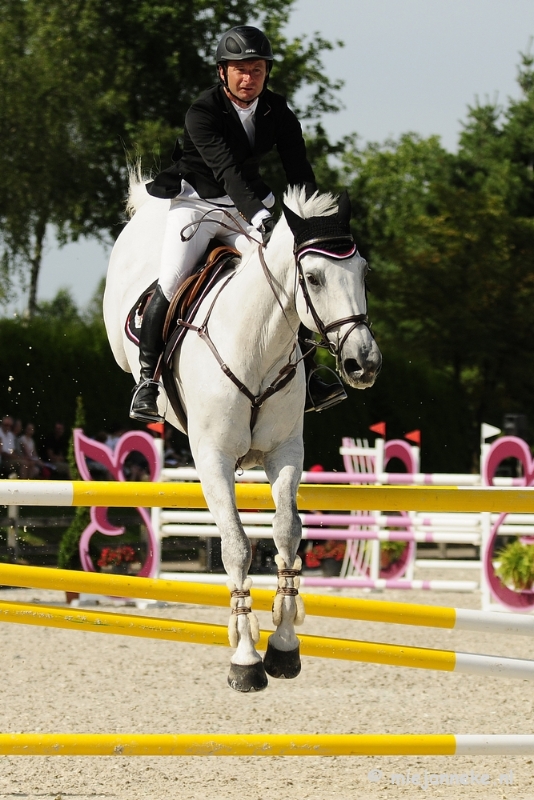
{"type": "Point", "coordinates": [263, 110]}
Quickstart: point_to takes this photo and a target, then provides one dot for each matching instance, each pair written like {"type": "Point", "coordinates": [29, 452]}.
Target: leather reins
{"type": "Point", "coordinates": [288, 371]}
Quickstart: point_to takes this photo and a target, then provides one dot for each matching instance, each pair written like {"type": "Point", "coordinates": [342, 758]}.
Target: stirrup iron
{"type": "Point", "coordinates": [333, 393]}
{"type": "Point", "coordinates": [140, 414]}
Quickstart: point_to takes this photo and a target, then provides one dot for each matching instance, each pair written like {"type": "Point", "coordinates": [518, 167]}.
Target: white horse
{"type": "Point", "coordinates": [311, 274]}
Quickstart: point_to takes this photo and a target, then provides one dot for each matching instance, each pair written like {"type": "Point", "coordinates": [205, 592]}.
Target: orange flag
{"type": "Point", "coordinates": [379, 428]}
{"type": "Point", "coordinates": [413, 436]}
{"type": "Point", "coordinates": [157, 427]}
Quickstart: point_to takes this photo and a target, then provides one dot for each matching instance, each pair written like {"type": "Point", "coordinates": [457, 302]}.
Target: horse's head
{"type": "Point", "coordinates": [331, 273]}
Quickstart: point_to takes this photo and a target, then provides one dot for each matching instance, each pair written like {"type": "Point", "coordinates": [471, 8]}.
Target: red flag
{"type": "Point", "coordinates": [157, 427]}
{"type": "Point", "coordinates": [413, 436]}
{"type": "Point", "coordinates": [379, 428]}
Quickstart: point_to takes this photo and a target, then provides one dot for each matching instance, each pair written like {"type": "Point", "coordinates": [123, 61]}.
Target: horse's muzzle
{"type": "Point", "coordinates": [361, 373]}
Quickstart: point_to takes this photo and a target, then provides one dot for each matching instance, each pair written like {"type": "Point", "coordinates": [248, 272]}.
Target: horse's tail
{"type": "Point", "coordinates": [137, 193]}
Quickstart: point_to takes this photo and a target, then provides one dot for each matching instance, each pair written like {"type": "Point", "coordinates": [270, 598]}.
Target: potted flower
{"type": "Point", "coordinates": [117, 559]}
{"type": "Point", "coordinates": [327, 555]}
{"type": "Point", "coordinates": [391, 553]}
{"type": "Point", "coordinates": [516, 566]}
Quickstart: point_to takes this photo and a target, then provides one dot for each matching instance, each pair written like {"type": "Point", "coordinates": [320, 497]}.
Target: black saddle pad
{"type": "Point", "coordinates": [135, 317]}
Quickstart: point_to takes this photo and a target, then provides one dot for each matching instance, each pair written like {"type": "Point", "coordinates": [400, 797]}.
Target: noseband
{"type": "Point", "coordinates": [340, 248]}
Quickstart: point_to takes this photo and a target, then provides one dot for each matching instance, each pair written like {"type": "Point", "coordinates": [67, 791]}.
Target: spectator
{"type": "Point", "coordinates": [13, 462]}
{"type": "Point", "coordinates": [170, 456]}
{"type": "Point", "coordinates": [27, 450]}
{"type": "Point", "coordinates": [136, 467]}
{"type": "Point", "coordinates": [55, 451]}
{"type": "Point", "coordinates": [116, 431]}
{"type": "Point", "coordinates": [8, 445]}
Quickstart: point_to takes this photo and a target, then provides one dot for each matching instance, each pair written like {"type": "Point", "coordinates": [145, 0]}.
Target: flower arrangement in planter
{"type": "Point", "coordinates": [117, 558]}
{"type": "Point", "coordinates": [391, 552]}
{"type": "Point", "coordinates": [327, 555]}
{"type": "Point", "coordinates": [516, 567]}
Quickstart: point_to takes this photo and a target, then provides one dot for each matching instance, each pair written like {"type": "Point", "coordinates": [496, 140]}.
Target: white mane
{"type": "Point", "coordinates": [137, 194]}
{"type": "Point", "coordinates": [318, 205]}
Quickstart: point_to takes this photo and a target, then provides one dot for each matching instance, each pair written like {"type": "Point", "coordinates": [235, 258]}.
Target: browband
{"type": "Point", "coordinates": [326, 251]}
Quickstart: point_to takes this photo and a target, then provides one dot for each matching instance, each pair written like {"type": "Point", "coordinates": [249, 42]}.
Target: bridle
{"type": "Point", "coordinates": [340, 248]}
{"type": "Point", "coordinates": [329, 246]}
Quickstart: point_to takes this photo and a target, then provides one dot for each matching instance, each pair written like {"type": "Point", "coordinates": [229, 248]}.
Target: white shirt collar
{"type": "Point", "coordinates": [244, 113]}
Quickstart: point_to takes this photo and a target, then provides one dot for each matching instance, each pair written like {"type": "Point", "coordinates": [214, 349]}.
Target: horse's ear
{"type": "Point", "coordinates": [344, 210]}
{"type": "Point", "coordinates": [296, 223]}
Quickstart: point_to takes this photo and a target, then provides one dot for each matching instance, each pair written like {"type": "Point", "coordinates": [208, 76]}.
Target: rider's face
{"type": "Point", "coordinates": [246, 78]}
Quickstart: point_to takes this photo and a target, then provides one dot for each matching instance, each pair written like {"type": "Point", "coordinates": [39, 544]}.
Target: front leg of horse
{"type": "Point", "coordinates": [247, 672]}
{"type": "Point", "coordinates": [282, 659]}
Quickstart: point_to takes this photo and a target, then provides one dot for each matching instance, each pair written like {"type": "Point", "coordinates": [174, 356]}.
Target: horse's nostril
{"type": "Point", "coordinates": [351, 365]}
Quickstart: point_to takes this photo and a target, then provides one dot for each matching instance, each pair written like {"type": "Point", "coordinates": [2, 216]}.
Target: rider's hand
{"type": "Point", "coordinates": [266, 228]}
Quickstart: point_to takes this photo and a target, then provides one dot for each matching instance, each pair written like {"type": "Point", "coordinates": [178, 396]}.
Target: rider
{"type": "Point", "coordinates": [227, 131]}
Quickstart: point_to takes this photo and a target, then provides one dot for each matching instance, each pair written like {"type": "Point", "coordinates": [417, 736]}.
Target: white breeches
{"type": "Point", "coordinates": [178, 258]}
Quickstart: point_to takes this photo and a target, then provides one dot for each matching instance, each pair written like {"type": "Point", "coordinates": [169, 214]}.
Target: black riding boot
{"type": "Point", "coordinates": [144, 402]}
{"type": "Point", "coordinates": [319, 395]}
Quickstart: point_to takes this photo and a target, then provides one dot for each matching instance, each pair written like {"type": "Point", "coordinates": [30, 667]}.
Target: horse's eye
{"type": "Point", "coordinates": [312, 280]}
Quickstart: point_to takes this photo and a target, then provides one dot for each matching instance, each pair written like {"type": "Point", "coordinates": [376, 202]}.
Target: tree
{"type": "Point", "coordinates": [87, 86]}
{"type": "Point", "coordinates": [451, 240]}
{"type": "Point", "coordinates": [61, 308]}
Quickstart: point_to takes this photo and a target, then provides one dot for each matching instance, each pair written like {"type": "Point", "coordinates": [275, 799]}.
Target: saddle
{"type": "Point", "coordinates": [183, 307]}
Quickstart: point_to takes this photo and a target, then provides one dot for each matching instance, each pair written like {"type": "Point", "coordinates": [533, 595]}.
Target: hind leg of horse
{"type": "Point", "coordinates": [284, 469]}
{"type": "Point", "coordinates": [247, 673]}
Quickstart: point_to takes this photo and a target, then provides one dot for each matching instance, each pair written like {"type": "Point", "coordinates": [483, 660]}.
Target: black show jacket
{"type": "Point", "coordinates": [217, 158]}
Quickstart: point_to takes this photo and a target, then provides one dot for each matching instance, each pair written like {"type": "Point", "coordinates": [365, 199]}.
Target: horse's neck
{"type": "Point", "coordinates": [272, 282]}
{"type": "Point", "coordinates": [265, 317]}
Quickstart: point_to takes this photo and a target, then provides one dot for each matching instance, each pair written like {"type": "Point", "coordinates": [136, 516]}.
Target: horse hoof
{"type": "Point", "coordinates": [248, 677]}
{"type": "Point", "coordinates": [282, 663]}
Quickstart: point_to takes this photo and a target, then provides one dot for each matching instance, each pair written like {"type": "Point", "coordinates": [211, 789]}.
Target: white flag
{"type": "Point", "coordinates": [487, 431]}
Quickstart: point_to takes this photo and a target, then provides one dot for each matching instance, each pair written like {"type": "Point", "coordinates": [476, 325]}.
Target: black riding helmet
{"type": "Point", "coordinates": [241, 44]}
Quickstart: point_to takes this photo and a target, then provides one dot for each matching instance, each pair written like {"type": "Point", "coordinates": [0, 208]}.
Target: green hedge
{"type": "Point", "coordinates": [407, 396]}
{"type": "Point", "coordinates": [46, 365]}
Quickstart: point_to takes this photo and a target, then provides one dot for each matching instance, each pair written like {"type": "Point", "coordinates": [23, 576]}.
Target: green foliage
{"type": "Point", "coordinates": [450, 239]}
{"type": "Point", "coordinates": [68, 553]}
{"type": "Point", "coordinates": [93, 311]}
{"type": "Point", "coordinates": [46, 366]}
{"type": "Point", "coordinates": [408, 394]}
{"type": "Point", "coordinates": [394, 549]}
{"type": "Point", "coordinates": [79, 422]}
{"type": "Point", "coordinates": [516, 565]}
{"type": "Point", "coordinates": [87, 86]}
{"type": "Point", "coordinates": [62, 307]}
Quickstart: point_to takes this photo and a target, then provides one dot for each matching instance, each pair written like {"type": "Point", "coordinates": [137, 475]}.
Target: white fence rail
{"type": "Point", "coordinates": [364, 530]}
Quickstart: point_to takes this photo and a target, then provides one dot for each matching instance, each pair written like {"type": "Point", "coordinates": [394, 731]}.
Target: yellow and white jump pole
{"type": "Point", "coordinates": [309, 496]}
{"type": "Point", "coordinates": [264, 744]}
{"type": "Point", "coordinates": [316, 605]}
{"type": "Point", "coordinates": [316, 646]}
